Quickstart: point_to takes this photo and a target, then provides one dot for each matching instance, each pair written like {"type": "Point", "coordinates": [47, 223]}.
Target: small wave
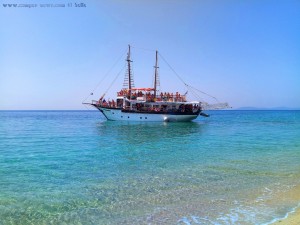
{"type": "Point", "coordinates": [284, 217]}
{"type": "Point", "coordinates": [194, 220]}
{"type": "Point", "coordinates": [257, 211]}
{"type": "Point", "coordinates": [244, 215]}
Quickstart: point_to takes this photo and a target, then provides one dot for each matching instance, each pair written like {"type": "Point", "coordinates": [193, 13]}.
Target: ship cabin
{"type": "Point", "coordinates": [143, 100]}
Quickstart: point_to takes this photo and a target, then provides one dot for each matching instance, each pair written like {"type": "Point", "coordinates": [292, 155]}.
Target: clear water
{"type": "Point", "coordinates": [73, 167]}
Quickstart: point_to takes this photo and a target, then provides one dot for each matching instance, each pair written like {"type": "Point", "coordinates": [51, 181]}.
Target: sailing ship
{"type": "Point", "coordinates": [148, 104]}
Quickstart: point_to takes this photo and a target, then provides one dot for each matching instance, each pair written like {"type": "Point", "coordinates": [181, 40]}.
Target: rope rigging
{"type": "Point", "coordinates": [193, 88]}
{"type": "Point", "coordinates": [173, 70]}
{"type": "Point", "coordinates": [194, 91]}
{"type": "Point", "coordinates": [107, 73]}
{"type": "Point", "coordinates": [189, 88]}
{"type": "Point", "coordinates": [113, 81]}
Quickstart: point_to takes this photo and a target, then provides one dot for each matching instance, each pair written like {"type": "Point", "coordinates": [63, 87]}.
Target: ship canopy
{"type": "Point", "coordinates": [142, 89]}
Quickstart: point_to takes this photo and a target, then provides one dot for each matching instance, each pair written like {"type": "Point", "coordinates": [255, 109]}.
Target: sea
{"type": "Point", "coordinates": [74, 167]}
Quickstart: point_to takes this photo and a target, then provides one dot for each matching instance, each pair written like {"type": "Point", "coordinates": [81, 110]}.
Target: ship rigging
{"type": "Point", "coordinates": [149, 103]}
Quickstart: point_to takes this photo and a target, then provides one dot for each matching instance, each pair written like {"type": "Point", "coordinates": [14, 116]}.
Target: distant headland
{"type": "Point", "coordinates": [260, 108]}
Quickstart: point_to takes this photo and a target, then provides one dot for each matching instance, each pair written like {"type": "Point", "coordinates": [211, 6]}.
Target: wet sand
{"type": "Point", "coordinates": [292, 219]}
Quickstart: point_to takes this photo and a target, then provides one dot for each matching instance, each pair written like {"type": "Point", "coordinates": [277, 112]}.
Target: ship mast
{"type": "Point", "coordinates": [129, 70]}
{"type": "Point", "coordinates": [155, 74]}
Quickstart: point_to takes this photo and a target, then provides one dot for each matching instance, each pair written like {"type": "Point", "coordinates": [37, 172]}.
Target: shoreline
{"type": "Point", "coordinates": [292, 218]}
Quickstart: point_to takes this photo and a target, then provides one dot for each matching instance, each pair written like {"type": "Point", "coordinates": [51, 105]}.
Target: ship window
{"type": "Point", "coordinates": [121, 116]}
{"type": "Point", "coordinates": [141, 117]}
{"type": "Point", "coordinates": [128, 117]}
{"type": "Point", "coordinates": [145, 117]}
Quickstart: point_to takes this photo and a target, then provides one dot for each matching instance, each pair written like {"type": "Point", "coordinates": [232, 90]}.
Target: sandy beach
{"type": "Point", "coordinates": [292, 219]}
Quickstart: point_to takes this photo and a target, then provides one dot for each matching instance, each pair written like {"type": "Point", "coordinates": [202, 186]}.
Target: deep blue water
{"type": "Point", "coordinates": [235, 167]}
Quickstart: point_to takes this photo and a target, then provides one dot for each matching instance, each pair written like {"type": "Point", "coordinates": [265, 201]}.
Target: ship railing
{"type": "Point", "coordinates": [166, 97]}
{"type": "Point", "coordinates": [171, 98]}
{"type": "Point", "coordinates": [94, 102]}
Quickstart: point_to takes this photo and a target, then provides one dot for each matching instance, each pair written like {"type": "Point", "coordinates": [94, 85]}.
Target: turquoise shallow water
{"type": "Point", "coordinates": [73, 167]}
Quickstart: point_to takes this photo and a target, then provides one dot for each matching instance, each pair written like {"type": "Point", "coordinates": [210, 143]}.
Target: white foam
{"type": "Point", "coordinates": [184, 220]}
{"type": "Point", "coordinates": [285, 216]}
{"type": "Point", "coordinates": [244, 212]}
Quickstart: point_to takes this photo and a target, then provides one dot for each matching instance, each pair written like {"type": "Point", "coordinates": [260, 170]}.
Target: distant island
{"type": "Point", "coordinates": [259, 108]}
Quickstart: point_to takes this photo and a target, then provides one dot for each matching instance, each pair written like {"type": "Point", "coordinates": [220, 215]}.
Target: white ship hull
{"type": "Point", "coordinates": [118, 115]}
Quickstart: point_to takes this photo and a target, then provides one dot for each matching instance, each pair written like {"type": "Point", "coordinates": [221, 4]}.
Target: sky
{"type": "Point", "coordinates": [246, 53]}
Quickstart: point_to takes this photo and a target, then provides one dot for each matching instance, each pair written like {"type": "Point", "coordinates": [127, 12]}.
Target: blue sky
{"type": "Point", "coordinates": [246, 53]}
